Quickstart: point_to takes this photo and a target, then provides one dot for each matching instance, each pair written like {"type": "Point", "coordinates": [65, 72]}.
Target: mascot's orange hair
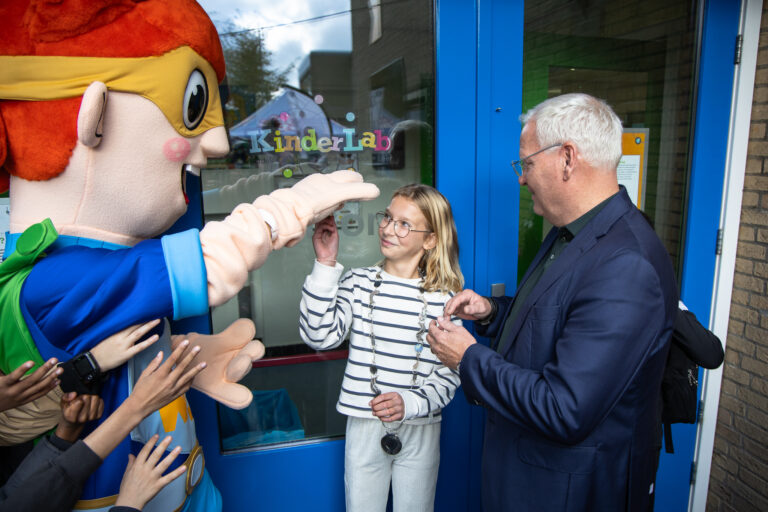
{"type": "Point", "coordinates": [37, 137]}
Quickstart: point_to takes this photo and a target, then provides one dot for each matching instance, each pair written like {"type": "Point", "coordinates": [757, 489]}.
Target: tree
{"type": "Point", "coordinates": [250, 75]}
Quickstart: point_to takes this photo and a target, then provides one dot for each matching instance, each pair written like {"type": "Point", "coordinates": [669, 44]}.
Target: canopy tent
{"type": "Point", "coordinates": [292, 112]}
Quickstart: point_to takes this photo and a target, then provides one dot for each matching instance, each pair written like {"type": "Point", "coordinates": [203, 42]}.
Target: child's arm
{"type": "Point", "coordinates": [157, 386]}
{"type": "Point", "coordinates": [326, 307]}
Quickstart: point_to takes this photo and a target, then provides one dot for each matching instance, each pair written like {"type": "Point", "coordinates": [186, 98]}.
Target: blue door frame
{"type": "Point", "coordinates": [479, 58]}
{"type": "Point", "coordinates": [719, 28]}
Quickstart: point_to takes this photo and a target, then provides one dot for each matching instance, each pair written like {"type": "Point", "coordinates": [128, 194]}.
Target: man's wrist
{"type": "Point", "coordinates": [492, 315]}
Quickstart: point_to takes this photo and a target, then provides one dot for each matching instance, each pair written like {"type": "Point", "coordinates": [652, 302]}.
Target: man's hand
{"type": "Point", "coordinates": [159, 385]}
{"type": "Point", "coordinates": [76, 411]}
{"type": "Point", "coordinates": [15, 391]}
{"type": "Point", "coordinates": [388, 407]}
{"type": "Point", "coordinates": [449, 341]}
{"type": "Point", "coordinates": [123, 345]}
{"type": "Point", "coordinates": [468, 305]}
{"type": "Point", "coordinates": [143, 478]}
{"type": "Point", "coordinates": [230, 355]}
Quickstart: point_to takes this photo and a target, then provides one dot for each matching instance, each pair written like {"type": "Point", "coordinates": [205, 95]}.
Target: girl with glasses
{"type": "Point", "coordinates": [394, 388]}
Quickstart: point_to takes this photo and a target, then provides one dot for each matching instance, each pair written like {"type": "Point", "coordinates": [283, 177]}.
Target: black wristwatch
{"type": "Point", "coordinates": [494, 309]}
{"type": "Point", "coordinates": [82, 375]}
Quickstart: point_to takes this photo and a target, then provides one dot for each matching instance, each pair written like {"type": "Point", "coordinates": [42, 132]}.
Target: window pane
{"type": "Point", "coordinates": [314, 87]}
{"type": "Point", "coordinates": [638, 55]}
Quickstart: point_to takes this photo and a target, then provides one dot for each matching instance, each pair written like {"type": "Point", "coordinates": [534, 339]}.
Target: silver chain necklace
{"type": "Point", "coordinates": [391, 443]}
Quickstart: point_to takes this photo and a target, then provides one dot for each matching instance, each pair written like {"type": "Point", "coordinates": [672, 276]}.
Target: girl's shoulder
{"type": "Point", "coordinates": [439, 295]}
{"type": "Point", "coordinates": [360, 276]}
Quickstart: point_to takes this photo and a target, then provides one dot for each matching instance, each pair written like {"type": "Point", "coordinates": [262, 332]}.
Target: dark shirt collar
{"type": "Point", "coordinates": [569, 231]}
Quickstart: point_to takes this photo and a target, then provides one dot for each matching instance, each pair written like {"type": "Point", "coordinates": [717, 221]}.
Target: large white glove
{"type": "Point", "coordinates": [241, 242]}
{"type": "Point", "coordinates": [311, 200]}
{"type": "Point", "coordinates": [229, 356]}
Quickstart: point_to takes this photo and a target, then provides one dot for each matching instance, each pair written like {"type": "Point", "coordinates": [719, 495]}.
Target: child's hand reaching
{"type": "Point", "coordinates": [326, 241]}
{"type": "Point", "coordinates": [143, 478]}
{"type": "Point", "coordinates": [15, 391]}
{"type": "Point", "coordinates": [123, 345]}
{"type": "Point", "coordinates": [76, 411]}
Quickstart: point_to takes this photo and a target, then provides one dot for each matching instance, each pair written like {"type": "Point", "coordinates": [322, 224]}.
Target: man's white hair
{"type": "Point", "coordinates": [589, 123]}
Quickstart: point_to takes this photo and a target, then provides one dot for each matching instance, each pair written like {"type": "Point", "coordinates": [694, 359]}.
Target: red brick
{"type": "Point", "coordinates": [747, 233]}
{"type": "Point", "coordinates": [740, 297]}
{"type": "Point", "coordinates": [754, 333]}
{"type": "Point", "coordinates": [758, 218]}
{"type": "Point", "coordinates": [752, 182]}
{"type": "Point", "coordinates": [750, 199]}
{"type": "Point", "coordinates": [744, 266]}
{"type": "Point", "coordinates": [735, 327]}
{"type": "Point", "coordinates": [758, 302]}
{"type": "Point", "coordinates": [750, 250]}
{"type": "Point", "coordinates": [745, 282]}
{"type": "Point", "coordinates": [757, 130]}
{"type": "Point", "coordinates": [737, 375]}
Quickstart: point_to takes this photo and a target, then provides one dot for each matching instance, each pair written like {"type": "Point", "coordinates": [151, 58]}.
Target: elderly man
{"type": "Point", "coordinates": [572, 377]}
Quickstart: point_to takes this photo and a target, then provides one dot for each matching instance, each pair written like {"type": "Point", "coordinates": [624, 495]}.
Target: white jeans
{"type": "Point", "coordinates": [368, 469]}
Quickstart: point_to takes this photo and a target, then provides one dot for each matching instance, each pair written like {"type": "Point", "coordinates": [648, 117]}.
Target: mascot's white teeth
{"type": "Point", "coordinates": [192, 169]}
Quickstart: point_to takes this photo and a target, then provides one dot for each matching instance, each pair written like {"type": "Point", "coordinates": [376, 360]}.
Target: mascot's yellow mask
{"type": "Point", "coordinates": [181, 83]}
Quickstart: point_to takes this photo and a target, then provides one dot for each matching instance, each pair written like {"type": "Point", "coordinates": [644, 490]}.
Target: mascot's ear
{"type": "Point", "coordinates": [90, 119]}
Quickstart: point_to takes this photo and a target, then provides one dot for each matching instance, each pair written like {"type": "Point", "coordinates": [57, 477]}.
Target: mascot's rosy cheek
{"type": "Point", "coordinates": [177, 149]}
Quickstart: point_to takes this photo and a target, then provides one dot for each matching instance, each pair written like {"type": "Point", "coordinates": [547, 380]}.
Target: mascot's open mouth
{"type": "Point", "coordinates": [187, 168]}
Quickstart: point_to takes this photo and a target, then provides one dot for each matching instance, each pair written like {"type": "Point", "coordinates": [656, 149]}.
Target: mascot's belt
{"type": "Point", "coordinates": [172, 497]}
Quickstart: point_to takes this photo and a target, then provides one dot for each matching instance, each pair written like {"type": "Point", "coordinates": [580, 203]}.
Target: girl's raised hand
{"type": "Point", "coordinates": [326, 241]}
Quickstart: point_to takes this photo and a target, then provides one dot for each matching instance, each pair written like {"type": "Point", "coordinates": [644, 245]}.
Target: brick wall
{"type": "Point", "coordinates": [739, 475]}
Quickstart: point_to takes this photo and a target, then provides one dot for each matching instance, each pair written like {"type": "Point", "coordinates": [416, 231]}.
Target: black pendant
{"type": "Point", "coordinates": [391, 444]}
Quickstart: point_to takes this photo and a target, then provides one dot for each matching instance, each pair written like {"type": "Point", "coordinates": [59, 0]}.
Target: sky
{"type": "Point", "coordinates": [288, 44]}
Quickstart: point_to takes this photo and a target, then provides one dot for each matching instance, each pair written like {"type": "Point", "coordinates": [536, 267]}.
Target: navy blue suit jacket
{"type": "Point", "coordinates": [572, 401]}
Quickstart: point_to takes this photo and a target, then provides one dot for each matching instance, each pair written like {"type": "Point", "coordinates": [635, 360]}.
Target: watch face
{"type": "Point", "coordinates": [84, 368]}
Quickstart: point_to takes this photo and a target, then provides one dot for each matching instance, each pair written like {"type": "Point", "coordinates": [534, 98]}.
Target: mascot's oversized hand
{"type": "Point", "coordinates": [241, 242]}
{"type": "Point", "coordinates": [311, 200]}
{"type": "Point", "coordinates": [229, 356]}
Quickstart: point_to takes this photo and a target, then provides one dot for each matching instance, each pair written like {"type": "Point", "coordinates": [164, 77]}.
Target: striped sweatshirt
{"type": "Point", "coordinates": [330, 309]}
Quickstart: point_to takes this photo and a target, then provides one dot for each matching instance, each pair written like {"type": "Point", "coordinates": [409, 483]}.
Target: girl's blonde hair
{"type": "Point", "coordinates": [439, 265]}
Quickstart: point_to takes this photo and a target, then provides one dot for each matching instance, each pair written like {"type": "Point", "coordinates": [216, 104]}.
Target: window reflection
{"type": "Point", "coordinates": [638, 55]}
{"type": "Point", "coordinates": [314, 87]}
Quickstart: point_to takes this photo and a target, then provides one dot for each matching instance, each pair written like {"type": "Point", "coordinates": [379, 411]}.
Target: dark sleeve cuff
{"type": "Point", "coordinates": [59, 443]}
{"type": "Point", "coordinates": [79, 460]}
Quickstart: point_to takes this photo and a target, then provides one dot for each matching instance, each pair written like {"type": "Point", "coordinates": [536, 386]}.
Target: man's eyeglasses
{"type": "Point", "coordinates": [520, 166]}
{"type": "Point", "coordinates": [402, 228]}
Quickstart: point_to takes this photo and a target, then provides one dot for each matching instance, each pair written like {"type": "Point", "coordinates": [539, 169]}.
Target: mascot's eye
{"type": "Point", "coordinates": [195, 100]}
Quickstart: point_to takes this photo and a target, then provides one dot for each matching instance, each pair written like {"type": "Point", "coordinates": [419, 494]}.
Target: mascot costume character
{"type": "Point", "coordinates": [104, 106]}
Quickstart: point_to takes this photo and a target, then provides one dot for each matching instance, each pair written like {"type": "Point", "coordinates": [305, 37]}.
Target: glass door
{"type": "Point", "coordinates": [313, 87]}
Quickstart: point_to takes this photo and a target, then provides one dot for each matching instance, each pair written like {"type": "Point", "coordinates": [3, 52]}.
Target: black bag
{"type": "Point", "coordinates": [679, 385]}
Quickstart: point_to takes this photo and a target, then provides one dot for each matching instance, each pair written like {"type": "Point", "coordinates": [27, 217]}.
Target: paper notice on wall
{"type": "Point", "coordinates": [628, 173]}
{"type": "Point", "coordinates": [634, 163]}
{"type": "Point", "coordinates": [5, 222]}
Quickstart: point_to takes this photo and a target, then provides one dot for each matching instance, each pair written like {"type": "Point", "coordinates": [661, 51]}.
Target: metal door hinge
{"type": "Point", "coordinates": [719, 242]}
{"type": "Point", "coordinates": [739, 44]}
{"type": "Point", "coordinates": [700, 415]}
{"type": "Point", "coordinates": [693, 473]}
